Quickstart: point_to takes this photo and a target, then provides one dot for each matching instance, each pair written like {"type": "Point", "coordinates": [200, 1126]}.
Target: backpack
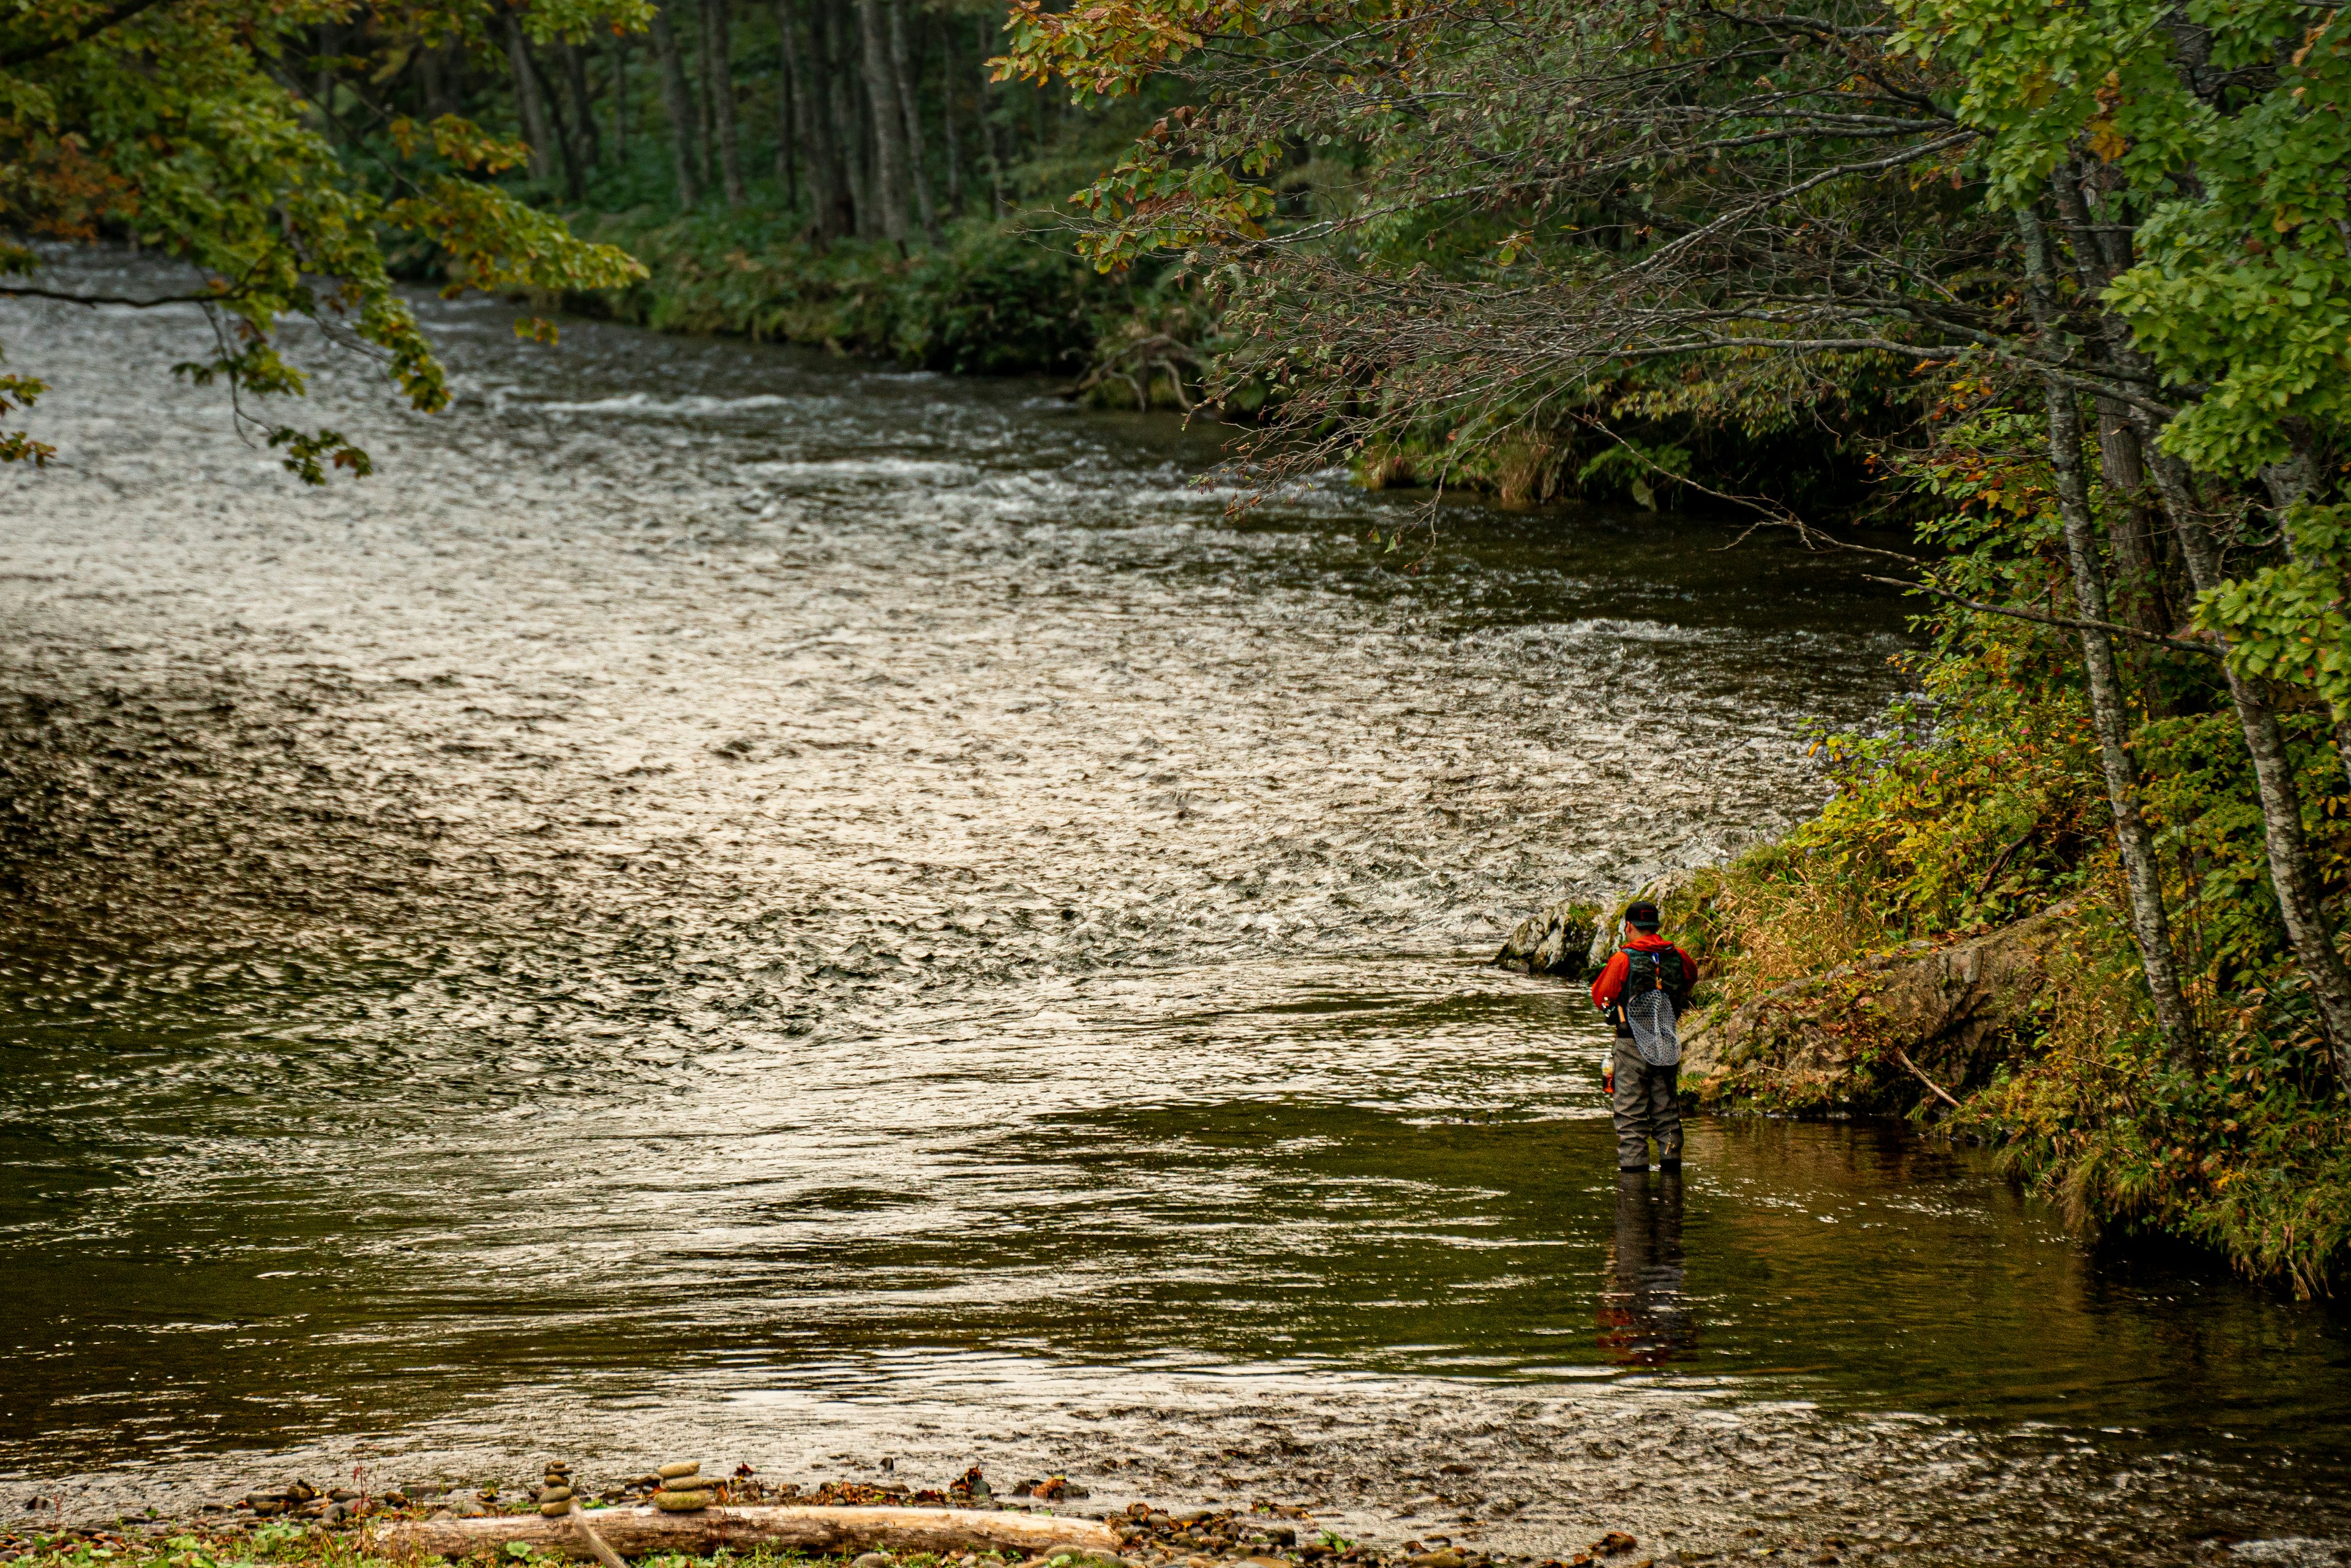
{"type": "Point", "coordinates": [1655, 969]}
{"type": "Point", "coordinates": [1656, 982]}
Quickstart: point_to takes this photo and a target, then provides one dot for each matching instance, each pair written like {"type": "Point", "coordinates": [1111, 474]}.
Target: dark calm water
{"type": "Point", "coordinates": [737, 904]}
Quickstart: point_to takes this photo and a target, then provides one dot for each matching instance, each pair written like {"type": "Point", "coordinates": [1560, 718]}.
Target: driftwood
{"type": "Point", "coordinates": [596, 1543]}
{"type": "Point", "coordinates": [1904, 1058]}
{"type": "Point", "coordinates": [635, 1531]}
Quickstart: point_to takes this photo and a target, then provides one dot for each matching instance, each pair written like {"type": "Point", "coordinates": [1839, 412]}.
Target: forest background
{"type": "Point", "coordinates": [2060, 286]}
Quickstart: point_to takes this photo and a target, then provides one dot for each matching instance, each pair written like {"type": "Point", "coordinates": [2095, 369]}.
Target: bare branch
{"type": "Point", "coordinates": [2209, 649]}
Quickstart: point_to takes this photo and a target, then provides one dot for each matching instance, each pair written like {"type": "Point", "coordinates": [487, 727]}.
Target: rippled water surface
{"type": "Point", "coordinates": [738, 903]}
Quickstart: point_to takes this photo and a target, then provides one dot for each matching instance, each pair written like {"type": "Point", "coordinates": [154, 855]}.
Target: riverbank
{"type": "Point", "coordinates": [1945, 943]}
{"type": "Point", "coordinates": [300, 1527]}
{"type": "Point", "coordinates": [993, 298]}
{"type": "Point", "coordinates": [1006, 297]}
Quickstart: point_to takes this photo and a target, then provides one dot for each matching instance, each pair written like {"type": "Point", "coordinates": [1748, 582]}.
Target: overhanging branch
{"type": "Point", "coordinates": [2177, 643]}
{"type": "Point", "coordinates": [26, 54]}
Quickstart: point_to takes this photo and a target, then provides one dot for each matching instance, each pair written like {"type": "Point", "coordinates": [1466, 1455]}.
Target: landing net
{"type": "Point", "coordinates": [1651, 1014]}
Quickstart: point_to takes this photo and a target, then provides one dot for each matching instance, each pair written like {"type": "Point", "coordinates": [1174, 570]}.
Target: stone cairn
{"type": "Point", "coordinates": [684, 1488]}
{"type": "Point", "coordinates": [555, 1496]}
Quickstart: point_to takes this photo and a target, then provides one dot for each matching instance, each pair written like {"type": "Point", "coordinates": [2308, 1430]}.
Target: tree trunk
{"type": "Point", "coordinates": [2292, 877]}
{"type": "Point", "coordinates": [837, 61]}
{"type": "Point", "coordinates": [706, 100]}
{"type": "Point", "coordinates": [442, 73]}
{"type": "Point", "coordinates": [889, 124]}
{"type": "Point", "coordinates": [718, 89]}
{"type": "Point", "coordinates": [677, 102]}
{"type": "Point", "coordinates": [787, 140]}
{"type": "Point", "coordinates": [993, 134]}
{"type": "Point", "coordinates": [583, 104]}
{"type": "Point", "coordinates": [2143, 603]}
{"type": "Point", "coordinates": [644, 1531]}
{"type": "Point", "coordinates": [950, 76]}
{"type": "Point", "coordinates": [2150, 925]}
{"type": "Point", "coordinates": [2140, 600]}
{"type": "Point", "coordinates": [528, 103]}
{"type": "Point", "coordinates": [574, 174]}
{"type": "Point", "coordinates": [831, 207]}
{"type": "Point", "coordinates": [903, 78]}
{"type": "Point", "coordinates": [617, 46]}
{"type": "Point", "coordinates": [2293, 480]}
{"type": "Point", "coordinates": [2110, 715]}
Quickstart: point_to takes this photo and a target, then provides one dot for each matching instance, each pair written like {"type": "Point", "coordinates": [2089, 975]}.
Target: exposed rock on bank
{"type": "Point", "coordinates": [1840, 1040]}
{"type": "Point", "coordinates": [1561, 939]}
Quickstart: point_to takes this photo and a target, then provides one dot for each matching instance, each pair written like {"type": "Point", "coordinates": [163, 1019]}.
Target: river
{"type": "Point", "coordinates": [737, 904]}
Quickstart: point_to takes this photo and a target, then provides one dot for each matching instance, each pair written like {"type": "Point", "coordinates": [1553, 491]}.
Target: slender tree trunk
{"type": "Point", "coordinates": [2150, 925]}
{"type": "Point", "coordinates": [2144, 603]}
{"type": "Point", "coordinates": [706, 99]}
{"type": "Point", "coordinates": [849, 121]}
{"type": "Point", "coordinates": [528, 102]}
{"type": "Point", "coordinates": [617, 48]}
{"type": "Point", "coordinates": [2140, 599]}
{"type": "Point", "coordinates": [888, 123]}
{"type": "Point", "coordinates": [322, 83]}
{"type": "Point", "coordinates": [903, 78]}
{"type": "Point", "coordinates": [442, 71]}
{"type": "Point", "coordinates": [787, 140]}
{"type": "Point", "coordinates": [718, 90]}
{"type": "Point", "coordinates": [2293, 876]}
{"type": "Point", "coordinates": [831, 208]}
{"type": "Point", "coordinates": [2289, 481]}
{"type": "Point", "coordinates": [566, 151]}
{"type": "Point", "coordinates": [992, 130]}
{"type": "Point", "coordinates": [583, 104]}
{"type": "Point", "coordinates": [2110, 714]}
{"type": "Point", "coordinates": [951, 77]}
{"type": "Point", "coordinates": [677, 102]}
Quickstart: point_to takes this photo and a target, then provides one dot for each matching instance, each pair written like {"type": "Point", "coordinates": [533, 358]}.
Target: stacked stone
{"type": "Point", "coordinates": [555, 1495]}
{"type": "Point", "coordinates": [684, 1488]}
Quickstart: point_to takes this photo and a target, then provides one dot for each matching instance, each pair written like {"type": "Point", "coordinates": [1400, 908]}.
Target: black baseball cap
{"type": "Point", "coordinates": [1642, 915]}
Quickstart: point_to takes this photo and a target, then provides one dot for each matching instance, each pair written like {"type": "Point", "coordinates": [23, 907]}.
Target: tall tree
{"type": "Point", "coordinates": [903, 79]}
{"type": "Point", "coordinates": [530, 105]}
{"type": "Point", "coordinates": [677, 103]}
{"type": "Point", "coordinates": [617, 48]}
{"type": "Point", "coordinates": [951, 84]}
{"type": "Point", "coordinates": [851, 125]}
{"type": "Point", "coordinates": [2109, 714]}
{"type": "Point", "coordinates": [833, 208]}
{"type": "Point", "coordinates": [888, 123]}
{"type": "Point", "coordinates": [718, 92]}
{"type": "Point", "coordinates": [788, 136]}
{"type": "Point", "coordinates": [574, 58]}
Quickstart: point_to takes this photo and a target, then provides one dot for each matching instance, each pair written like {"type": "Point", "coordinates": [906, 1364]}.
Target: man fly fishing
{"type": "Point", "coordinates": [1642, 990]}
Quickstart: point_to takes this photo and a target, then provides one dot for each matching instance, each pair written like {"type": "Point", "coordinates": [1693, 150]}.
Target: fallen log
{"type": "Point", "coordinates": [635, 1532]}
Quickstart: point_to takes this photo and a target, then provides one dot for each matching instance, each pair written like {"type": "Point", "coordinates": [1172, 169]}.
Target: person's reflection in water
{"type": "Point", "coordinates": [1645, 1320]}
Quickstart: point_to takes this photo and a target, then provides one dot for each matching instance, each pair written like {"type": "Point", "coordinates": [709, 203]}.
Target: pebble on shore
{"type": "Point", "coordinates": [1264, 1536]}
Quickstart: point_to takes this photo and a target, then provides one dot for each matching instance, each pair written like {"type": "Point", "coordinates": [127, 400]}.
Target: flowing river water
{"type": "Point", "coordinates": [738, 905]}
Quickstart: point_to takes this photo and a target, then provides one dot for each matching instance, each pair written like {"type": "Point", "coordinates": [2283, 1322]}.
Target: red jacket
{"type": "Point", "coordinates": [1606, 989]}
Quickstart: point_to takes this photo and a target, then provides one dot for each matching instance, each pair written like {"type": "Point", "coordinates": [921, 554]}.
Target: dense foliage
{"type": "Point", "coordinates": [2111, 244]}
{"type": "Point", "coordinates": [169, 122]}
